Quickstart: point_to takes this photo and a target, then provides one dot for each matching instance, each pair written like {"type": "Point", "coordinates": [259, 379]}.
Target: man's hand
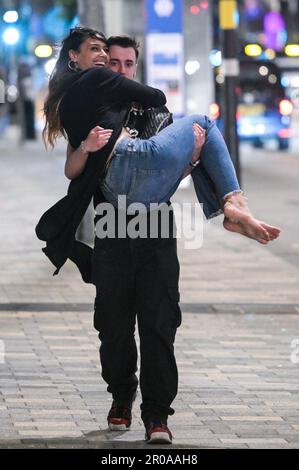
{"type": "Point", "coordinates": [199, 140]}
{"type": "Point", "coordinates": [97, 139]}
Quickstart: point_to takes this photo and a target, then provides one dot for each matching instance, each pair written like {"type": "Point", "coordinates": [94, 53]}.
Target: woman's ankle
{"type": "Point", "coordinates": [236, 198]}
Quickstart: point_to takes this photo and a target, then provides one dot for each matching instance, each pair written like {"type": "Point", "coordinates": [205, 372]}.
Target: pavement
{"type": "Point", "coordinates": [237, 348]}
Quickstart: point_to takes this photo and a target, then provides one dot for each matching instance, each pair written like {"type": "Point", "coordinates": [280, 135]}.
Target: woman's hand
{"type": "Point", "coordinates": [76, 159]}
{"type": "Point", "coordinates": [97, 139]}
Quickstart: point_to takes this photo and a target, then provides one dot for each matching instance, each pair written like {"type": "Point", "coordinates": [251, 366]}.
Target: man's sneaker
{"type": "Point", "coordinates": [120, 415]}
{"type": "Point", "coordinates": [157, 432]}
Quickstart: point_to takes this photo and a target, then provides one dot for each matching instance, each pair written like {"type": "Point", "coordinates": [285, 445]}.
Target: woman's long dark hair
{"type": "Point", "coordinates": [60, 80]}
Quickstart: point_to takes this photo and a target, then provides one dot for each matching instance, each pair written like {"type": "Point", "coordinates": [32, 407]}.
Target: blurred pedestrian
{"type": "Point", "coordinates": [26, 102]}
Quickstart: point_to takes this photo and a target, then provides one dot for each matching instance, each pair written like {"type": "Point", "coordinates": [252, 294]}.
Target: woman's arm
{"type": "Point", "coordinates": [76, 159]}
{"type": "Point", "coordinates": [113, 87]}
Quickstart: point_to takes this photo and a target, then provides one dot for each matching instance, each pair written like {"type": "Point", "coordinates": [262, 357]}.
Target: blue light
{"type": "Point", "coordinates": [54, 23]}
{"type": "Point", "coordinates": [75, 22]}
{"type": "Point", "coordinates": [215, 57]}
{"type": "Point", "coordinates": [285, 81]}
{"type": "Point", "coordinates": [236, 17]}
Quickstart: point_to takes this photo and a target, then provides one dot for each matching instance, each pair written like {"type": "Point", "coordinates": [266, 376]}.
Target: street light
{"type": "Point", "coordinates": [43, 51]}
{"type": "Point", "coordinates": [292, 50]}
{"type": "Point", "coordinates": [11, 16]}
{"type": "Point", "coordinates": [192, 66]}
{"type": "Point", "coordinates": [11, 36]}
{"type": "Point", "coordinates": [253, 50]}
{"type": "Point", "coordinates": [215, 57]}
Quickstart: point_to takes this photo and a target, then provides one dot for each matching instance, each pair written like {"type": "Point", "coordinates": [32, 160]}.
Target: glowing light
{"type": "Point", "coordinates": [285, 133]}
{"type": "Point", "coordinates": [194, 9]}
{"type": "Point", "coordinates": [285, 120]}
{"type": "Point", "coordinates": [247, 129]}
{"type": "Point", "coordinates": [204, 5]}
{"type": "Point", "coordinates": [10, 16]}
{"type": "Point", "coordinates": [275, 31]}
{"type": "Point", "coordinates": [43, 51]}
{"type": "Point", "coordinates": [11, 36]}
{"type": "Point", "coordinates": [263, 70]}
{"type": "Point", "coordinates": [260, 129]}
{"type": "Point", "coordinates": [285, 107]}
{"type": "Point", "coordinates": [253, 50]}
{"type": "Point", "coordinates": [50, 65]}
{"type": "Point", "coordinates": [294, 82]}
{"type": "Point", "coordinates": [270, 54]}
{"type": "Point", "coordinates": [220, 78]}
{"type": "Point", "coordinates": [12, 94]}
{"type": "Point", "coordinates": [215, 57]}
{"type": "Point", "coordinates": [192, 66]}
{"type": "Point", "coordinates": [285, 81]}
{"type": "Point", "coordinates": [272, 79]}
{"type": "Point", "coordinates": [214, 111]}
{"type": "Point", "coordinates": [292, 50]}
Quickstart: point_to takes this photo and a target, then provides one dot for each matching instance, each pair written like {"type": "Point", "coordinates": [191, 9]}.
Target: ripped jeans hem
{"type": "Point", "coordinates": [215, 214]}
{"type": "Point", "coordinates": [232, 192]}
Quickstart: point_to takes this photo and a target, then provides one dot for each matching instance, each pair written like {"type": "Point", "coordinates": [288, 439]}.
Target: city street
{"type": "Point", "coordinates": [236, 349]}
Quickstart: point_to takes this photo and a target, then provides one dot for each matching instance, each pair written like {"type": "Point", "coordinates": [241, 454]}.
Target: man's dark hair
{"type": "Point", "coordinates": [124, 41]}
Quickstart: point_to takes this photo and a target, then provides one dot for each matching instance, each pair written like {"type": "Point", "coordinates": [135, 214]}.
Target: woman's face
{"type": "Point", "coordinates": [92, 53]}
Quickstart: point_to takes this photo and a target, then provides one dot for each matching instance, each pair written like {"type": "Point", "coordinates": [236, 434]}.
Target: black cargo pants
{"type": "Point", "coordinates": [138, 278]}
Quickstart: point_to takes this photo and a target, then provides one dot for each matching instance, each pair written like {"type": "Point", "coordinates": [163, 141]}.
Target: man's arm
{"type": "Point", "coordinates": [76, 159]}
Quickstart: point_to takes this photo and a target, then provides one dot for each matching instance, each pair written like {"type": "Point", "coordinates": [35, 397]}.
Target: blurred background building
{"type": "Point", "coordinates": [187, 64]}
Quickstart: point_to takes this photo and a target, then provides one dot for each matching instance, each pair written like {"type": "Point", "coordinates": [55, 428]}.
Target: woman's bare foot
{"type": "Point", "coordinates": [239, 219]}
{"type": "Point", "coordinates": [238, 228]}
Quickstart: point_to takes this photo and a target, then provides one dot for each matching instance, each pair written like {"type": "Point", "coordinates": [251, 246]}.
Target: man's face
{"type": "Point", "coordinates": [123, 61]}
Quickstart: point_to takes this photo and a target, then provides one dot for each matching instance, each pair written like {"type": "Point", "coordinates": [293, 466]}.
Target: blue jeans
{"type": "Point", "coordinates": [148, 171]}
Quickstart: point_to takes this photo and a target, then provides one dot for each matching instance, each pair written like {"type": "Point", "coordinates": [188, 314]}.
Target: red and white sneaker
{"type": "Point", "coordinates": [157, 432]}
{"type": "Point", "coordinates": [120, 415]}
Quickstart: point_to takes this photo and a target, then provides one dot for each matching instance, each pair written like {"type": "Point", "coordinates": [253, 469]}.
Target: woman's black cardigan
{"type": "Point", "coordinates": [98, 97]}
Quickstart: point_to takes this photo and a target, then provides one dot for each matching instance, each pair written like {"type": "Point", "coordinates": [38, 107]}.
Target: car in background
{"type": "Point", "coordinates": [263, 109]}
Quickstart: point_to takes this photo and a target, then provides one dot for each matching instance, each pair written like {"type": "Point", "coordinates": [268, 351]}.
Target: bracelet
{"type": "Point", "coordinates": [83, 149]}
{"type": "Point", "coordinates": [194, 164]}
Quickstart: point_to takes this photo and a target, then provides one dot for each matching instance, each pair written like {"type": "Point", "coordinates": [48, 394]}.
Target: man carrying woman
{"type": "Point", "coordinates": [84, 94]}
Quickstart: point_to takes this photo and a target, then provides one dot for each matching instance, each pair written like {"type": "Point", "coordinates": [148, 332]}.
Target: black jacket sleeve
{"type": "Point", "coordinates": [74, 122]}
{"type": "Point", "coordinates": [112, 88]}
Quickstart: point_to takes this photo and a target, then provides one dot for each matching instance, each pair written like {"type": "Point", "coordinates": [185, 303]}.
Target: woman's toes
{"type": "Point", "coordinates": [273, 231]}
{"type": "Point", "coordinates": [262, 241]}
{"type": "Point", "coordinates": [266, 234]}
